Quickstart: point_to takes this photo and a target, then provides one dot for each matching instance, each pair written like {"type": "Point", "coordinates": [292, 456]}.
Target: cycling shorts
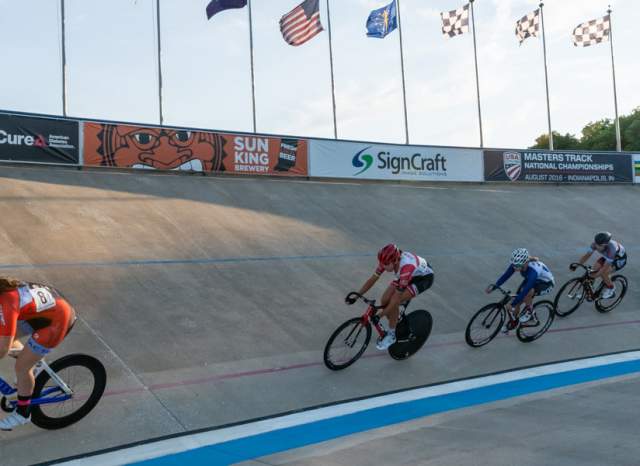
{"type": "Point", "coordinates": [418, 284]}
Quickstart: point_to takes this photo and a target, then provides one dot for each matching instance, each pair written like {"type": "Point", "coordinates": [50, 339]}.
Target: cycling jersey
{"type": "Point", "coordinates": [613, 251]}
{"type": "Point", "coordinates": [38, 310]}
{"type": "Point", "coordinates": [535, 273]}
{"type": "Point", "coordinates": [410, 267]}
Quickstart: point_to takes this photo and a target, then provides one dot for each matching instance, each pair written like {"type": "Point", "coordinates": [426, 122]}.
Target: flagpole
{"type": "Point", "coordinates": [333, 89]}
{"type": "Point", "coordinates": [64, 61]}
{"type": "Point", "coordinates": [615, 95]}
{"type": "Point", "coordinates": [475, 56]}
{"type": "Point", "coordinates": [546, 76]}
{"type": "Point", "coordinates": [253, 85]}
{"type": "Point", "coordinates": [404, 90]}
{"type": "Point", "coordinates": [159, 63]}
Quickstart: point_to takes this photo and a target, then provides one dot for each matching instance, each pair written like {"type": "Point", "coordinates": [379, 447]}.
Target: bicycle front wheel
{"type": "Point", "coordinates": [542, 316]}
{"type": "Point", "coordinates": [347, 344]}
{"type": "Point", "coordinates": [484, 325]}
{"type": "Point", "coordinates": [87, 379]}
{"type": "Point", "coordinates": [569, 298]}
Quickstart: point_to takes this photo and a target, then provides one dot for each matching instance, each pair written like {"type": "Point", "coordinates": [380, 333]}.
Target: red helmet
{"type": "Point", "coordinates": [388, 254]}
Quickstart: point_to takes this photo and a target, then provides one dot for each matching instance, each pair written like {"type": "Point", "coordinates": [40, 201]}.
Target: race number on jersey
{"type": "Point", "coordinates": [42, 297]}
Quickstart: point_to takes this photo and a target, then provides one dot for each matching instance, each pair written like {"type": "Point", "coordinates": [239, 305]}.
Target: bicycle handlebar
{"type": "Point", "coordinates": [578, 264]}
{"type": "Point", "coordinates": [371, 302]}
{"type": "Point", "coordinates": [504, 292]}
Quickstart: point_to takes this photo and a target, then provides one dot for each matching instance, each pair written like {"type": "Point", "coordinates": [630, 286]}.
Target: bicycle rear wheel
{"type": "Point", "coordinates": [347, 344]}
{"type": "Point", "coordinates": [484, 325]}
{"type": "Point", "coordinates": [84, 375]}
{"type": "Point", "coordinates": [411, 333]}
{"type": "Point", "coordinates": [621, 285]}
{"type": "Point", "coordinates": [569, 297]}
{"type": "Point", "coordinates": [542, 316]}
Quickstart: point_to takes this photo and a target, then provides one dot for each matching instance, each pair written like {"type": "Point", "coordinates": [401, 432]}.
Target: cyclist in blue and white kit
{"type": "Point", "coordinates": [612, 257]}
{"type": "Point", "coordinates": [538, 280]}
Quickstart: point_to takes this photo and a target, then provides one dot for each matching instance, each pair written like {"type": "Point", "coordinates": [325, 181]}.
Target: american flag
{"type": "Point", "coordinates": [301, 23]}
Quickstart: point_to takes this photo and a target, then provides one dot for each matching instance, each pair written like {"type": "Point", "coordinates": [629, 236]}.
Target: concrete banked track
{"type": "Point", "coordinates": [210, 299]}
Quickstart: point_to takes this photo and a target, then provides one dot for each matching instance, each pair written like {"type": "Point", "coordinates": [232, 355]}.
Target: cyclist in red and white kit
{"type": "Point", "coordinates": [413, 276]}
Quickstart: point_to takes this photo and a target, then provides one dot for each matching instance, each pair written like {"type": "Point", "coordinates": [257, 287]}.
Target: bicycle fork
{"type": "Point", "coordinates": [58, 381]}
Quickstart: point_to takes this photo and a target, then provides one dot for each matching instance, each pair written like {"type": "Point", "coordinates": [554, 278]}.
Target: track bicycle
{"type": "Point", "coordinates": [573, 293]}
{"type": "Point", "coordinates": [65, 391]}
{"type": "Point", "coordinates": [349, 341]}
{"type": "Point", "coordinates": [488, 321]}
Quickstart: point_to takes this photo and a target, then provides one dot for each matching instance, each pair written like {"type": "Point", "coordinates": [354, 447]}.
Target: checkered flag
{"type": "Point", "coordinates": [528, 26]}
{"type": "Point", "coordinates": [592, 32]}
{"type": "Point", "coordinates": [456, 21]}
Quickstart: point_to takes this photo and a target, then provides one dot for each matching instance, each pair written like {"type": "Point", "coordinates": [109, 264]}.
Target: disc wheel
{"type": "Point", "coordinates": [411, 334]}
{"type": "Point", "coordinates": [84, 375]}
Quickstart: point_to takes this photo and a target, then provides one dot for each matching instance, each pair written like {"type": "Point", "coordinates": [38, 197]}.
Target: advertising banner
{"type": "Point", "coordinates": [636, 167]}
{"type": "Point", "coordinates": [32, 139]}
{"type": "Point", "coordinates": [556, 167]}
{"type": "Point", "coordinates": [179, 149]}
{"type": "Point", "coordinates": [336, 159]}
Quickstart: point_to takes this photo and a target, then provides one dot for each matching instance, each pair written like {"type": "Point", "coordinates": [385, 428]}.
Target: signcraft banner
{"type": "Point", "coordinates": [179, 149]}
{"type": "Point", "coordinates": [32, 139]}
{"type": "Point", "coordinates": [336, 159]}
{"type": "Point", "coordinates": [556, 167]}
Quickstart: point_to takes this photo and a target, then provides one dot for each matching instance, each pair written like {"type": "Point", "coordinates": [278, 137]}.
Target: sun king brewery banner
{"type": "Point", "coordinates": [44, 140]}
{"type": "Point", "coordinates": [151, 148]}
{"type": "Point", "coordinates": [557, 167]}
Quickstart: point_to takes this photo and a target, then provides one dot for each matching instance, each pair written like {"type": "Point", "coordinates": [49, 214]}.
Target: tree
{"type": "Point", "coordinates": [560, 142]}
{"type": "Point", "coordinates": [599, 135]}
{"type": "Point", "coordinates": [630, 131]}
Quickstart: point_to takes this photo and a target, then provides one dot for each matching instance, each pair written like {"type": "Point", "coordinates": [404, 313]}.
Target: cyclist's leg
{"type": "Point", "coordinates": [392, 312]}
{"type": "Point", "coordinates": [597, 265]}
{"type": "Point", "coordinates": [606, 271]}
{"type": "Point", "coordinates": [41, 342]}
{"type": "Point", "coordinates": [386, 296]}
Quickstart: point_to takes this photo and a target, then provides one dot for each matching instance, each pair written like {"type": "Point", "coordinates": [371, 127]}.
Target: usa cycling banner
{"type": "Point", "coordinates": [32, 139]}
{"type": "Point", "coordinates": [636, 167]}
{"type": "Point", "coordinates": [557, 167]}
{"type": "Point", "coordinates": [181, 149]}
{"type": "Point", "coordinates": [337, 159]}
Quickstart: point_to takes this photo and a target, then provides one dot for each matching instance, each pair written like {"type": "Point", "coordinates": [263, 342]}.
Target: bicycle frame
{"type": "Point", "coordinates": [369, 317]}
{"type": "Point", "coordinates": [11, 393]}
{"type": "Point", "coordinates": [587, 283]}
{"type": "Point", "coordinates": [503, 304]}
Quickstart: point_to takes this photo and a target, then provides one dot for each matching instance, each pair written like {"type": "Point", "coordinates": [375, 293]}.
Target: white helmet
{"type": "Point", "coordinates": [519, 257]}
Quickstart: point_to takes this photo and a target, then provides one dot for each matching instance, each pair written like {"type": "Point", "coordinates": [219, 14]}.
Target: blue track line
{"type": "Point", "coordinates": [269, 443]}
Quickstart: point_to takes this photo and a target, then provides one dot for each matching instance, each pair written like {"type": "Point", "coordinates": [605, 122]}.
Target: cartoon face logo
{"type": "Point", "coordinates": [512, 163]}
{"type": "Point", "coordinates": [160, 148]}
{"type": "Point", "coordinates": [362, 160]}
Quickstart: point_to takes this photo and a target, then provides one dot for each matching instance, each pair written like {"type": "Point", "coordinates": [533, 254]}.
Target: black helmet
{"type": "Point", "coordinates": [603, 238]}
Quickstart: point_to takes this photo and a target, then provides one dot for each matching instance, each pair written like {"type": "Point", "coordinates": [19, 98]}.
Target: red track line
{"type": "Point", "coordinates": [272, 370]}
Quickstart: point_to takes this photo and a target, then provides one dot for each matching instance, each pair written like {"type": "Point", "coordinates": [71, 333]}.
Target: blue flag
{"type": "Point", "coordinates": [382, 21]}
{"type": "Point", "coordinates": [216, 6]}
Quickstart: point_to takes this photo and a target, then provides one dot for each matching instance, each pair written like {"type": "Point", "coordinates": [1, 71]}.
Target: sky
{"type": "Point", "coordinates": [112, 69]}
